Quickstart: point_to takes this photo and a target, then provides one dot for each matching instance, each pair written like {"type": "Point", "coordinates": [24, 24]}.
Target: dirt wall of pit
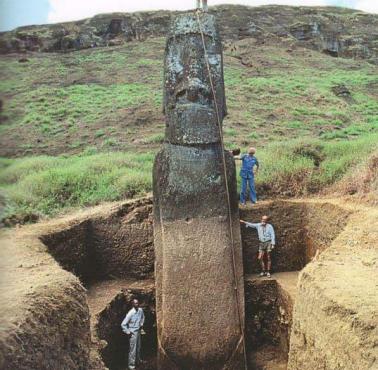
{"type": "Point", "coordinates": [44, 313]}
{"type": "Point", "coordinates": [335, 323]}
{"type": "Point", "coordinates": [302, 230]}
{"type": "Point", "coordinates": [117, 243]}
{"type": "Point", "coordinates": [268, 314]}
{"type": "Point", "coordinates": [44, 317]}
{"type": "Point", "coordinates": [43, 304]}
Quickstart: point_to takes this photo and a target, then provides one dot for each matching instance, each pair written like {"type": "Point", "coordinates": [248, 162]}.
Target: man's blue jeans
{"type": "Point", "coordinates": [252, 191]}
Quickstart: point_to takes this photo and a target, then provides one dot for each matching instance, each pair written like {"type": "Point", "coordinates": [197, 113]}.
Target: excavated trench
{"type": "Point", "coordinates": [113, 256]}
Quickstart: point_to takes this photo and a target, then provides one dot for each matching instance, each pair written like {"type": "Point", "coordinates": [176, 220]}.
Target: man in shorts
{"type": "Point", "coordinates": [267, 242]}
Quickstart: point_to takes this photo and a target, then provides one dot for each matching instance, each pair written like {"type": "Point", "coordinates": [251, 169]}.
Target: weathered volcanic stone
{"type": "Point", "coordinates": [197, 294]}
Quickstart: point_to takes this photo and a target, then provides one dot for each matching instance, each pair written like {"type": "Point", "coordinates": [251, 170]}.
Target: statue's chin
{"type": "Point", "coordinates": [192, 109]}
{"type": "Point", "coordinates": [192, 124]}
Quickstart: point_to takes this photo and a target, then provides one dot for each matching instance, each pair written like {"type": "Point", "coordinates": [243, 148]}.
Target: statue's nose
{"type": "Point", "coordinates": [192, 93]}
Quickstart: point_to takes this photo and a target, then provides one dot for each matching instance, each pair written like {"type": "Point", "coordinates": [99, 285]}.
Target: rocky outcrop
{"type": "Point", "coordinates": [338, 32]}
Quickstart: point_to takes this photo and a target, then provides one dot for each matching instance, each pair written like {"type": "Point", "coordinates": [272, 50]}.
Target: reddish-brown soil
{"type": "Point", "coordinates": [44, 317]}
{"type": "Point", "coordinates": [45, 308]}
{"type": "Point", "coordinates": [335, 322]}
{"type": "Point", "coordinates": [302, 230]}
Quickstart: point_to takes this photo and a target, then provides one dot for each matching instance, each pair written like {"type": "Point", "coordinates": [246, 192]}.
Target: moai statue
{"type": "Point", "coordinates": [198, 268]}
{"type": "Point", "coordinates": [204, 5]}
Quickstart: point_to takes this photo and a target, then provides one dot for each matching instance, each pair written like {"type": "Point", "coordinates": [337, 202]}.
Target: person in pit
{"type": "Point", "coordinates": [267, 242]}
{"type": "Point", "coordinates": [247, 174]}
{"type": "Point", "coordinates": [132, 325]}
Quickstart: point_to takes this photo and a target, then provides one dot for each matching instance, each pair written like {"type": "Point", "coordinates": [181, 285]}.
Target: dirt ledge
{"type": "Point", "coordinates": [44, 316]}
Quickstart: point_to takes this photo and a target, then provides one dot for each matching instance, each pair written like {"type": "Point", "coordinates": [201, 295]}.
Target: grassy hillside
{"type": "Point", "coordinates": [110, 98]}
{"type": "Point", "coordinates": [85, 125]}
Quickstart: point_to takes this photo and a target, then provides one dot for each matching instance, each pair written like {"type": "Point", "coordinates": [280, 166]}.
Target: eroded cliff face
{"type": "Point", "coordinates": [338, 32]}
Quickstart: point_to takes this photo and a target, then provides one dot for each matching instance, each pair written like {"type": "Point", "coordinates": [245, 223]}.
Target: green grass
{"type": "Point", "coordinates": [47, 107]}
{"type": "Point", "coordinates": [156, 138]}
{"type": "Point", "coordinates": [99, 133]}
{"type": "Point", "coordinates": [47, 185]}
{"type": "Point", "coordinates": [109, 99]}
{"type": "Point", "coordinates": [56, 98]}
{"type": "Point", "coordinates": [228, 131]}
{"type": "Point", "coordinates": [300, 167]}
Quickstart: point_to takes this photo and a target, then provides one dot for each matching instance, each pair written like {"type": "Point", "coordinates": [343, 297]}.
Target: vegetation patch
{"type": "Point", "coordinates": [302, 167]}
{"type": "Point", "coordinates": [47, 185]}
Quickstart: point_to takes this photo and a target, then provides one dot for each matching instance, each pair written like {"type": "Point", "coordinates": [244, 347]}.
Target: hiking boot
{"type": "Point", "coordinates": [262, 274]}
{"type": "Point", "coordinates": [268, 274]}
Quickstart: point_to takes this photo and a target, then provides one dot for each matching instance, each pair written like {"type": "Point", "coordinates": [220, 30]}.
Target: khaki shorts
{"type": "Point", "coordinates": [265, 247]}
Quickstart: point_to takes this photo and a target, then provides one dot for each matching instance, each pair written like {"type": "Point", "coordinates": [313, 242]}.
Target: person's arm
{"type": "Point", "coordinates": [125, 323]}
{"type": "Point", "coordinates": [142, 319]}
{"type": "Point", "coordinates": [257, 166]}
{"type": "Point", "coordinates": [237, 156]}
{"type": "Point", "coordinates": [273, 235]}
{"type": "Point", "coordinates": [249, 224]}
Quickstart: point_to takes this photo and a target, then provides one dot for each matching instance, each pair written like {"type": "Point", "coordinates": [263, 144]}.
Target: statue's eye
{"type": "Point", "coordinates": [174, 66]}
{"type": "Point", "coordinates": [180, 71]}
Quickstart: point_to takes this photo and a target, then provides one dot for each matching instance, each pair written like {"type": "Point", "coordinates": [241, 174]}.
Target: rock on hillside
{"type": "Point", "coordinates": [338, 32]}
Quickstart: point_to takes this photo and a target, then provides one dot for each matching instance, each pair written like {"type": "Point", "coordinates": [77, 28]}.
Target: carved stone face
{"type": "Point", "coordinates": [188, 99]}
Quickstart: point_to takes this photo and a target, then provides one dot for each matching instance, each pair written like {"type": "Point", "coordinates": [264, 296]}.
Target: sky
{"type": "Point", "coordinates": [15, 13]}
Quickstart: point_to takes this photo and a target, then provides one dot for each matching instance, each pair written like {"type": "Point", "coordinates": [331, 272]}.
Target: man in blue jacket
{"type": "Point", "coordinates": [247, 174]}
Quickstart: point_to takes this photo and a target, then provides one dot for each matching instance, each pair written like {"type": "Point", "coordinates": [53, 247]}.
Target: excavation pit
{"type": "Point", "coordinates": [269, 304]}
{"type": "Point", "coordinates": [108, 302]}
{"type": "Point", "coordinates": [111, 251]}
{"type": "Point", "coordinates": [116, 245]}
{"type": "Point", "coordinates": [120, 246]}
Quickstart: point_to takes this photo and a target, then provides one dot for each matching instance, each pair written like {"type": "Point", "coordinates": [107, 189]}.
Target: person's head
{"type": "Point", "coordinates": [135, 303]}
{"type": "Point", "coordinates": [251, 151]}
{"type": "Point", "coordinates": [264, 219]}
